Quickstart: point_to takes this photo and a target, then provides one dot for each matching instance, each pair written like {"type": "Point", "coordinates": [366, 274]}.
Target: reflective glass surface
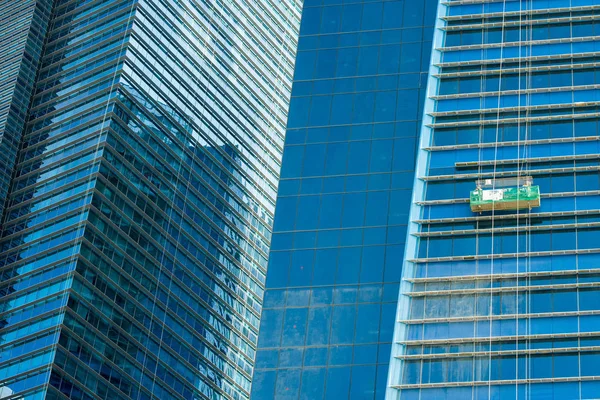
{"type": "Point", "coordinates": [503, 304]}
{"type": "Point", "coordinates": [342, 206]}
{"type": "Point", "coordinates": [135, 240]}
{"type": "Point", "coordinates": [24, 25]}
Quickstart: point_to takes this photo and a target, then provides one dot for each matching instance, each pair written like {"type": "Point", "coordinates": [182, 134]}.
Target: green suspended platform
{"type": "Point", "coordinates": [505, 194]}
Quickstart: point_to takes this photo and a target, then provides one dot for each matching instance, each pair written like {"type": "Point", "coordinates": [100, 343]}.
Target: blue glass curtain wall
{"type": "Point", "coordinates": [135, 239]}
{"type": "Point", "coordinates": [503, 304]}
{"type": "Point", "coordinates": [342, 206]}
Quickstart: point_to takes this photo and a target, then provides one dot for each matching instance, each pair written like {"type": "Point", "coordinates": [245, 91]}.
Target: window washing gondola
{"type": "Point", "coordinates": [505, 194]}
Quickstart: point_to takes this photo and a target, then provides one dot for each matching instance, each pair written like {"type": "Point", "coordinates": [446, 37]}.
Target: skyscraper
{"type": "Point", "coordinates": [344, 195]}
{"type": "Point", "coordinates": [138, 221]}
{"type": "Point", "coordinates": [500, 291]}
{"type": "Point", "coordinates": [22, 31]}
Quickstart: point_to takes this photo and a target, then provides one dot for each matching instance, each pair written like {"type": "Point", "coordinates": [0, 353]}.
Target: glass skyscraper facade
{"type": "Point", "coordinates": [137, 225]}
{"type": "Point", "coordinates": [343, 201]}
{"type": "Point", "coordinates": [23, 27]}
{"type": "Point", "coordinates": [504, 303]}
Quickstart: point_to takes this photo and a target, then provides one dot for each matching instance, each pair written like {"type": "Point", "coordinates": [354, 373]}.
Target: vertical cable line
{"type": "Point", "coordinates": [482, 89]}
{"type": "Point", "coordinates": [528, 237]}
{"type": "Point", "coordinates": [577, 289]}
{"type": "Point", "coordinates": [517, 227]}
{"type": "Point", "coordinates": [523, 169]}
{"type": "Point", "coordinates": [491, 306]}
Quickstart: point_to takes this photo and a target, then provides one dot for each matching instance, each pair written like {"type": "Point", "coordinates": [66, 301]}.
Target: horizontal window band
{"type": "Point", "coordinates": [470, 164]}
{"type": "Point", "coordinates": [522, 70]}
{"type": "Point", "coordinates": [507, 289]}
{"type": "Point", "coordinates": [515, 92]}
{"type": "Point", "coordinates": [515, 229]}
{"type": "Point", "coordinates": [513, 121]}
{"type": "Point", "coordinates": [496, 113]}
{"type": "Point", "coordinates": [520, 44]}
{"type": "Point", "coordinates": [508, 13]}
{"type": "Point", "coordinates": [491, 175]}
{"type": "Point", "coordinates": [496, 382]}
{"type": "Point", "coordinates": [518, 23]}
{"type": "Point", "coordinates": [499, 353]}
{"type": "Point", "coordinates": [516, 60]}
{"type": "Point", "coordinates": [513, 338]}
{"type": "Point", "coordinates": [502, 276]}
{"type": "Point", "coordinates": [505, 255]}
{"type": "Point", "coordinates": [504, 317]}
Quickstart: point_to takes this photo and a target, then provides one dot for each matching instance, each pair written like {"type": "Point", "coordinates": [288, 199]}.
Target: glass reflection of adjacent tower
{"type": "Point", "coordinates": [505, 194]}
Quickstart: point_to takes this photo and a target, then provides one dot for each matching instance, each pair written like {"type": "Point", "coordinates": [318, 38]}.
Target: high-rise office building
{"type": "Point", "coordinates": [500, 292]}
{"type": "Point", "coordinates": [344, 195]}
{"type": "Point", "coordinates": [137, 225]}
{"type": "Point", "coordinates": [22, 31]}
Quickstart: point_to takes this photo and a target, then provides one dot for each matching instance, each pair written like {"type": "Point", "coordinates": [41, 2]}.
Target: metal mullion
{"type": "Point", "coordinates": [108, 222]}
{"type": "Point", "coordinates": [517, 23]}
{"type": "Point", "coordinates": [502, 276]}
{"type": "Point", "coordinates": [250, 45]}
{"type": "Point", "coordinates": [513, 229]}
{"type": "Point", "coordinates": [505, 289]}
{"type": "Point", "coordinates": [65, 72]}
{"type": "Point", "coordinates": [172, 351]}
{"type": "Point", "coordinates": [206, 169]}
{"type": "Point", "coordinates": [200, 283]}
{"type": "Point", "coordinates": [256, 82]}
{"type": "Point", "coordinates": [499, 317]}
{"type": "Point", "coordinates": [118, 350]}
{"type": "Point", "coordinates": [516, 70]}
{"type": "Point", "coordinates": [514, 143]}
{"type": "Point", "coordinates": [514, 92]}
{"type": "Point", "coordinates": [545, 336]}
{"type": "Point", "coordinates": [575, 157]}
{"type": "Point", "coordinates": [47, 223]}
{"type": "Point", "coordinates": [72, 157]}
{"type": "Point", "coordinates": [151, 295]}
{"type": "Point", "coordinates": [31, 288]}
{"type": "Point", "coordinates": [513, 60]}
{"type": "Point", "coordinates": [186, 217]}
{"type": "Point", "coordinates": [104, 380]}
{"type": "Point", "coordinates": [62, 396]}
{"type": "Point", "coordinates": [34, 271]}
{"type": "Point", "coordinates": [83, 30]}
{"type": "Point", "coordinates": [60, 16]}
{"type": "Point", "coordinates": [484, 175]}
{"type": "Point", "coordinates": [208, 238]}
{"type": "Point", "coordinates": [74, 227]}
{"type": "Point", "coordinates": [207, 185]}
{"type": "Point", "coordinates": [111, 65]}
{"type": "Point", "coordinates": [159, 284]}
{"type": "Point", "coordinates": [210, 256]}
{"type": "Point", "coordinates": [505, 255]}
{"type": "Point", "coordinates": [227, 122]}
{"type": "Point", "coordinates": [509, 110]}
{"type": "Point", "coordinates": [498, 353]}
{"type": "Point", "coordinates": [20, 395]}
{"type": "Point", "coordinates": [86, 100]}
{"type": "Point", "coordinates": [523, 43]}
{"type": "Point", "coordinates": [22, 162]}
{"type": "Point", "coordinates": [142, 328]}
{"type": "Point", "coordinates": [117, 38]}
{"type": "Point", "coordinates": [50, 194]}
